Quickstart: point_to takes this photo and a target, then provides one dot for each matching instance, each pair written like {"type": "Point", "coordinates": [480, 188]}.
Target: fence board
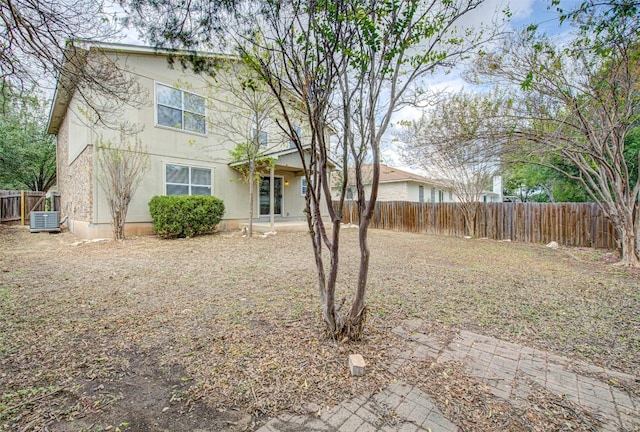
{"type": "Point", "coordinates": [570, 224]}
{"type": "Point", "coordinates": [11, 204]}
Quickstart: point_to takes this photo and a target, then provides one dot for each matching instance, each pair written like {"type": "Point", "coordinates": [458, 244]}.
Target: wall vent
{"type": "Point", "coordinates": [44, 221]}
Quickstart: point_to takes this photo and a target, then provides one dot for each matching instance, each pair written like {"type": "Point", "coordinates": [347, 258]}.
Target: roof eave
{"type": "Point", "coordinates": [277, 154]}
{"type": "Point", "coordinates": [65, 87]}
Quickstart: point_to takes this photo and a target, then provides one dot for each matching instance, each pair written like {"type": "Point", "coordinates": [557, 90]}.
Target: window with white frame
{"type": "Point", "coordinates": [187, 180]}
{"type": "Point", "coordinates": [303, 187]}
{"type": "Point", "coordinates": [179, 109]}
{"type": "Point", "coordinates": [298, 131]}
{"type": "Point", "coordinates": [263, 137]}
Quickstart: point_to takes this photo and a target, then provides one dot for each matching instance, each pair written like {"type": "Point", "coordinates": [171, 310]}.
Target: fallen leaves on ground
{"type": "Point", "coordinates": [97, 334]}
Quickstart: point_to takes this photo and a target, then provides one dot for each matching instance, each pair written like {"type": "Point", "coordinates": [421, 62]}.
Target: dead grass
{"type": "Point", "coordinates": [93, 335]}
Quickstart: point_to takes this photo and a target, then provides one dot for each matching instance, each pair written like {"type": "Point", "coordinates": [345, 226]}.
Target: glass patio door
{"type": "Point", "coordinates": [265, 201]}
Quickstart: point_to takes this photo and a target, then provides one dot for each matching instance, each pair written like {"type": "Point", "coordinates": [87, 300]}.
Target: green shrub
{"type": "Point", "coordinates": [185, 215]}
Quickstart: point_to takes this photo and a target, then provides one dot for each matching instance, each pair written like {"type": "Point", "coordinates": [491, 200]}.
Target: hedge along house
{"type": "Point", "coordinates": [179, 126]}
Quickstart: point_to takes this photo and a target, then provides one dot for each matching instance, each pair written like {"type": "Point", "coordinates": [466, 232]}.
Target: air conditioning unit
{"type": "Point", "coordinates": [44, 221]}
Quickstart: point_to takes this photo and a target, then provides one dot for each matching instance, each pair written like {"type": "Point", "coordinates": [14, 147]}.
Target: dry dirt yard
{"type": "Point", "coordinates": [219, 332]}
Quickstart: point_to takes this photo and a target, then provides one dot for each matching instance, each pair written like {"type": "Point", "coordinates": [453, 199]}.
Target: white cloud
{"type": "Point", "coordinates": [493, 11]}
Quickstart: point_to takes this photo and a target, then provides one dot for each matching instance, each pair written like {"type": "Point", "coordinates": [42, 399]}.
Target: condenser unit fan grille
{"type": "Point", "coordinates": [44, 221]}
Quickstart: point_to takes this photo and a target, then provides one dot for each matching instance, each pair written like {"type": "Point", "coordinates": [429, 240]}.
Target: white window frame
{"type": "Point", "coordinates": [303, 186]}
{"type": "Point", "coordinates": [298, 131]}
{"type": "Point", "coordinates": [190, 184]}
{"type": "Point", "coordinates": [263, 137]}
{"type": "Point", "coordinates": [182, 110]}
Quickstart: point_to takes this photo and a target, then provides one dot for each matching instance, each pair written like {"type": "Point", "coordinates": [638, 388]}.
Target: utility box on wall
{"type": "Point", "coordinates": [48, 221]}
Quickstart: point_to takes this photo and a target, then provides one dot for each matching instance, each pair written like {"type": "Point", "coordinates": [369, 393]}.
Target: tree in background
{"type": "Point", "coordinates": [121, 167]}
{"type": "Point", "coordinates": [244, 108]}
{"type": "Point", "coordinates": [350, 66]}
{"type": "Point", "coordinates": [252, 166]}
{"type": "Point", "coordinates": [450, 141]}
{"type": "Point", "coordinates": [27, 153]}
{"type": "Point", "coordinates": [579, 102]}
{"type": "Point", "coordinates": [530, 181]}
{"type": "Point", "coordinates": [347, 66]}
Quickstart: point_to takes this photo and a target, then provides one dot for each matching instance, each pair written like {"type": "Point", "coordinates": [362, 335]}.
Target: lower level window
{"type": "Point", "coordinates": [187, 180]}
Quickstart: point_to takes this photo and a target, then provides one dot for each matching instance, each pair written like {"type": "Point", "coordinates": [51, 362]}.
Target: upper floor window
{"type": "Point", "coordinates": [263, 138]}
{"type": "Point", "coordinates": [179, 109]}
{"type": "Point", "coordinates": [303, 188]}
{"type": "Point", "coordinates": [298, 131]}
{"type": "Point", "coordinates": [187, 180]}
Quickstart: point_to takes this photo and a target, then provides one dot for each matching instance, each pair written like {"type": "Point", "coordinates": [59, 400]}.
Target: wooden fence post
{"type": "Point", "coordinates": [22, 207]}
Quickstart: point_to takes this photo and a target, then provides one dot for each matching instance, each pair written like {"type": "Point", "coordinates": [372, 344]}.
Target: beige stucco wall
{"type": "Point", "coordinates": [83, 198]}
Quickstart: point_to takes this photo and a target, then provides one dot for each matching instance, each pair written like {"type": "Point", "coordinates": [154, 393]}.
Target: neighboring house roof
{"type": "Point", "coordinates": [395, 175]}
{"type": "Point", "coordinates": [389, 174]}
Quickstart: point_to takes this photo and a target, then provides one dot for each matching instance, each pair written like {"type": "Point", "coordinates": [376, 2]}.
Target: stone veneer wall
{"type": "Point", "coordinates": [74, 180]}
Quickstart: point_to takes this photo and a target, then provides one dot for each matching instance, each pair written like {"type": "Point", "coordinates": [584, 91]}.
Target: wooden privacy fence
{"type": "Point", "coordinates": [15, 205]}
{"type": "Point", "coordinates": [570, 224]}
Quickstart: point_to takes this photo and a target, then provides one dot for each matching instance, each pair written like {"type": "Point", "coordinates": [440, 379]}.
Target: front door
{"type": "Point", "coordinates": [265, 194]}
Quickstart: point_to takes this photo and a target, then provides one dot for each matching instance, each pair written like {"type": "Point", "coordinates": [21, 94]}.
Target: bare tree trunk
{"type": "Point", "coordinates": [252, 170]}
{"type": "Point", "coordinates": [629, 249]}
{"type": "Point", "coordinates": [121, 168]}
{"type": "Point", "coordinates": [119, 210]}
{"type": "Point", "coordinates": [628, 232]}
{"type": "Point", "coordinates": [326, 290]}
{"type": "Point", "coordinates": [469, 210]}
{"type": "Point", "coordinates": [333, 318]}
{"type": "Point", "coordinates": [357, 314]}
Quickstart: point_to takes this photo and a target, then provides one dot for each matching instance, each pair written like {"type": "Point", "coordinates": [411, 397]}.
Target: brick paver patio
{"type": "Point", "coordinates": [509, 370]}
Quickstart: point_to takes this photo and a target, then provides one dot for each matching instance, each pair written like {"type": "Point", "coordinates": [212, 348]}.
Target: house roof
{"type": "Point", "coordinates": [390, 174]}
{"type": "Point", "coordinates": [395, 175]}
{"type": "Point", "coordinates": [75, 57]}
{"type": "Point", "coordinates": [282, 153]}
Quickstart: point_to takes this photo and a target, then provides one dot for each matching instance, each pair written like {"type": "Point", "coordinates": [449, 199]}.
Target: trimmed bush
{"type": "Point", "coordinates": [185, 215]}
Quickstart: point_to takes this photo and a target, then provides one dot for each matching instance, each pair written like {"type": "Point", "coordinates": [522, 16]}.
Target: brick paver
{"type": "Point", "coordinates": [509, 370]}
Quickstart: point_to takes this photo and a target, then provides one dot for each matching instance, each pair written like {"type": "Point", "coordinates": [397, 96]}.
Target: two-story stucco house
{"type": "Point", "coordinates": [181, 126]}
